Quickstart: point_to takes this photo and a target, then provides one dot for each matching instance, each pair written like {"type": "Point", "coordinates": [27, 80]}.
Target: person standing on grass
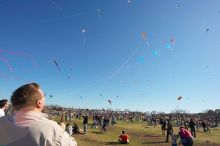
{"type": "Point", "coordinates": [29, 126]}
{"type": "Point", "coordinates": [104, 125]}
{"type": "Point", "coordinates": [154, 121]}
{"type": "Point", "coordinates": [192, 126]}
{"type": "Point", "coordinates": [163, 126]}
{"type": "Point", "coordinates": [169, 130]}
{"type": "Point", "coordinates": [205, 126]}
{"type": "Point", "coordinates": [94, 124]}
{"type": "Point", "coordinates": [85, 123]}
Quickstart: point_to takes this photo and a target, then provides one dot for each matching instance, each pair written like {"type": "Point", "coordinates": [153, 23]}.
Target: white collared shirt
{"type": "Point", "coordinates": [2, 112]}
{"type": "Point", "coordinates": [32, 129]}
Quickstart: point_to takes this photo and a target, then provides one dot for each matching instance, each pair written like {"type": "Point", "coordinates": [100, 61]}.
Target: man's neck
{"type": "Point", "coordinates": [29, 108]}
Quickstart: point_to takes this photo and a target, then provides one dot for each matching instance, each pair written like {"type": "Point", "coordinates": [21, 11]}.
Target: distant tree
{"type": "Point", "coordinates": [147, 113]}
{"type": "Point", "coordinates": [118, 109]}
{"type": "Point", "coordinates": [154, 112]}
{"type": "Point", "coordinates": [210, 112]}
{"type": "Point", "coordinates": [161, 112]}
{"type": "Point", "coordinates": [109, 109]}
{"type": "Point", "coordinates": [178, 111]}
{"type": "Point", "coordinates": [217, 110]}
{"type": "Point", "coordinates": [126, 110]}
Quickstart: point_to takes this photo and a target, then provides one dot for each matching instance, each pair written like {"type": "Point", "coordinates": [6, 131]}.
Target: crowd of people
{"type": "Point", "coordinates": [103, 118]}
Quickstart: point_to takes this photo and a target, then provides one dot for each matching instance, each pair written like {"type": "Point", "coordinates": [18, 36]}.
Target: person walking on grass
{"type": "Point", "coordinates": [192, 126]}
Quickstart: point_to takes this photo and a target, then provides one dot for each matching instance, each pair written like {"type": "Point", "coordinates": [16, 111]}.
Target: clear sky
{"type": "Point", "coordinates": [140, 54]}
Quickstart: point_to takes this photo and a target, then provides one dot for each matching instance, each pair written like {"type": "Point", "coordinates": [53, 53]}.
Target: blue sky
{"type": "Point", "coordinates": [142, 54]}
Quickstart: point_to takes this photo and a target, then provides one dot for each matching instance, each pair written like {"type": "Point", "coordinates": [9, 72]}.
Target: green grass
{"type": "Point", "coordinates": [140, 134]}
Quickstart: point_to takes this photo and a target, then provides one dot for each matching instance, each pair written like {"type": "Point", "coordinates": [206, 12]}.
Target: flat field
{"type": "Point", "coordinates": [141, 135]}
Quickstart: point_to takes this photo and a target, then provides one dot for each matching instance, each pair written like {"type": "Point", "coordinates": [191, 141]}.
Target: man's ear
{"type": "Point", "coordinates": [39, 104]}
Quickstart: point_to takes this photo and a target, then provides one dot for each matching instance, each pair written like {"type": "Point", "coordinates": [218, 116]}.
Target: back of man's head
{"type": "Point", "coordinates": [26, 95]}
{"type": "Point", "coordinates": [3, 102]}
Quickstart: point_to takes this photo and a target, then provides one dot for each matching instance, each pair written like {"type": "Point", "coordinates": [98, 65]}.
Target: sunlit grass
{"type": "Point", "coordinates": [140, 134]}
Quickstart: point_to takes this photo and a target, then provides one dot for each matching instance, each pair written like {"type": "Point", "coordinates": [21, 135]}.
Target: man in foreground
{"type": "Point", "coordinates": [29, 126]}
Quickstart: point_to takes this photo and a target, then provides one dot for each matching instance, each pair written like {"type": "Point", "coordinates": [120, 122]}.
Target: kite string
{"type": "Point", "coordinates": [70, 92]}
{"type": "Point", "coordinates": [117, 70]}
{"type": "Point", "coordinates": [99, 14]}
{"type": "Point", "coordinates": [56, 5]}
{"type": "Point", "coordinates": [7, 63]}
{"type": "Point", "coordinates": [21, 54]}
{"type": "Point", "coordinates": [84, 39]}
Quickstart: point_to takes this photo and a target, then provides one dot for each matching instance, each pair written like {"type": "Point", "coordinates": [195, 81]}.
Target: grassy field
{"type": "Point", "coordinates": [141, 135]}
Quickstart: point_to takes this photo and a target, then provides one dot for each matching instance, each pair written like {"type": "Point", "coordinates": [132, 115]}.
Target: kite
{"type": "Point", "coordinates": [144, 37]}
{"type": "Point", "coordinates": [207, 29]}
{"type": "Point", "coordinates": [57, 65]}
{"type": "Point", "coordinates": [172, 40]}
{"type": "Point", "coordinates": [179, 98]}
{"type": "Point", "coordinates": [83, 30]}
{"type": "Point", "coordinates": [141, 59]}
{"type": "Point", "coordinates": [110, 102]}
{"type": "Point", "coordinates": [177, 6]}
{"type": "Point", "coordinates": [155, 53]}
{"type": "Point", "coordinates": [50, 96]}
{"type": "Point", "coordinates": [168, 46]}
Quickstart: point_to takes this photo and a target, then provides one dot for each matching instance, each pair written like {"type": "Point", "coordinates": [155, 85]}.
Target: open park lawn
{"type": "Point", "coordinates": [141, 135]}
